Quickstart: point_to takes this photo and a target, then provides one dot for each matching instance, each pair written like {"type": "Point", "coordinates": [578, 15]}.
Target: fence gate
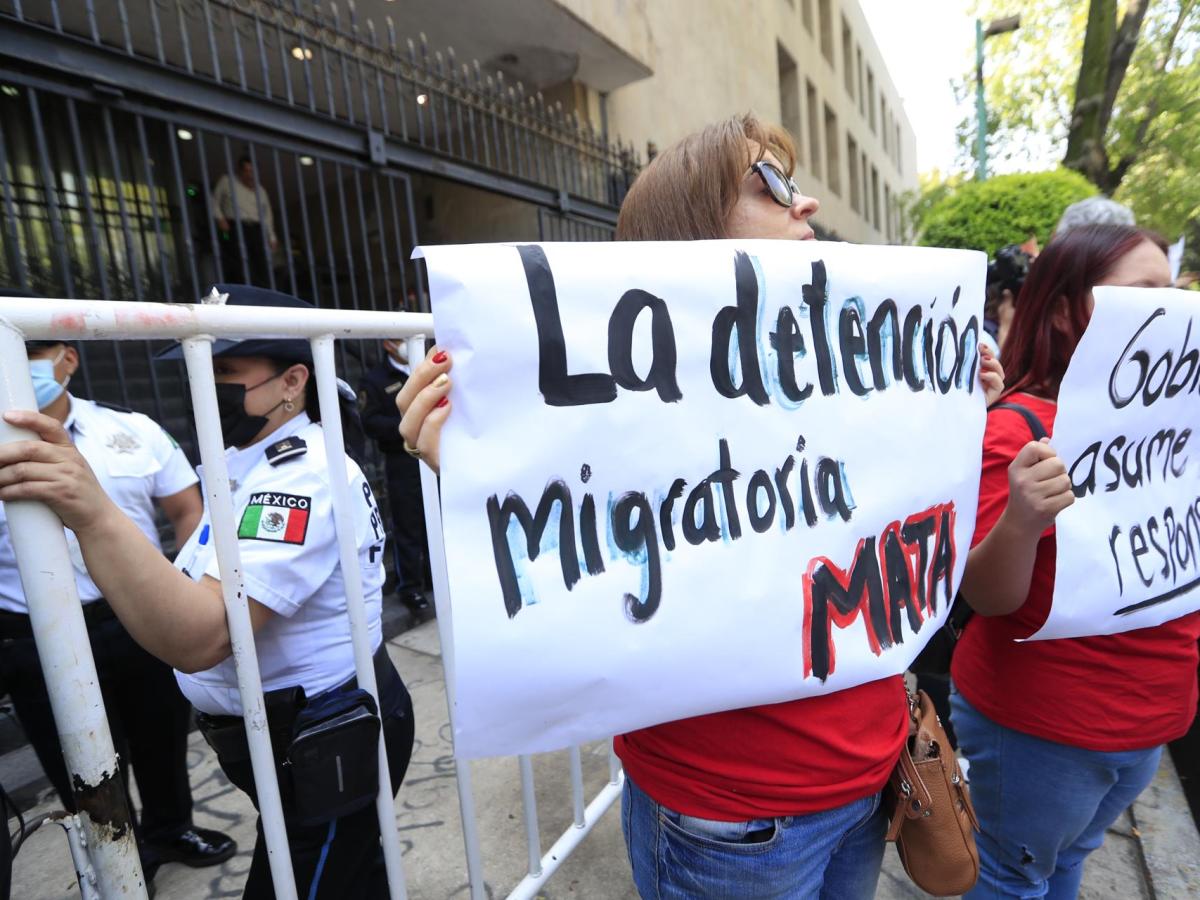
{"type": "Point", "coordinates": [88, 215]}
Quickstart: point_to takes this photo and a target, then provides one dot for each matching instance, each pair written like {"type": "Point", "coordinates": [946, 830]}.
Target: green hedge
{"type": "Point", "coordinates": [1007, 209]}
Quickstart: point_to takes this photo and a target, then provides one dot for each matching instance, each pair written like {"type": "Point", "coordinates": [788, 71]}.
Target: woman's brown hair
{"type": "Point", "coordinates": [688, 191]}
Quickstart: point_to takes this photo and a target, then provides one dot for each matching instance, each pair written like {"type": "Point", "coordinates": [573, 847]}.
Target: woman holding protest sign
{"type": "Point", "coordinates": [1062, 734]}
{"type": "Point", "coordinates": [772, 801]}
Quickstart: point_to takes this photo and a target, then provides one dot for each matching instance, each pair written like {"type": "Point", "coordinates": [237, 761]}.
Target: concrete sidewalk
{"type": "Point", "coordinates": [1152, 853]}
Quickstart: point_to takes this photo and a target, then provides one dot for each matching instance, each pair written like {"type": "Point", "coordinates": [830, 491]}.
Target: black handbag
{"type": "Point", "coordinates": [935, 658]}
{"type": "Point", "coordinates": [333, 759]}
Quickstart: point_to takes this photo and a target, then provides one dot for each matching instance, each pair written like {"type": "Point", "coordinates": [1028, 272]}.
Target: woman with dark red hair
{"type": "Point", "coordinates": [1062, 735]}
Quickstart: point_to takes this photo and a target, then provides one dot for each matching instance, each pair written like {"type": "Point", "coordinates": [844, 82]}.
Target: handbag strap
{"type": "Point", "coordinates": [961, 612]}
{"type": "Point", "coordinates": [1030, 417]}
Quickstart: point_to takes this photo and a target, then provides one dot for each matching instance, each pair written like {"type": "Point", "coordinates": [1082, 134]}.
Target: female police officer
{"type": "Point", "coordinates": [281, 493]}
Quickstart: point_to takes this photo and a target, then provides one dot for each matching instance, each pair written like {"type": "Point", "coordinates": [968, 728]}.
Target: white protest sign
{"type": "Point", "coordinates": [1128, 413]}
{"type": "Point", "coordinates": [1175, 256]}
{"type": "Point", "coordinates": [679, 478]}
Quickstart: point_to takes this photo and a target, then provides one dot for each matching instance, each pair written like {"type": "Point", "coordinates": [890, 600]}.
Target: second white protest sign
{"type": "Point", "coordinates": [1128, 549]}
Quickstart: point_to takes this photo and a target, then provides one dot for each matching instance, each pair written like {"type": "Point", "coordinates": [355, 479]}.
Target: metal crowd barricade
{"type": "Point", "coordinates": [541, 867]}
{"type": "Point", "coordinates": [112, 867]}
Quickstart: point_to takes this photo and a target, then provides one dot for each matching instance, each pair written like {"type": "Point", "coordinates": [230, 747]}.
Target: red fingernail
{"type": "Point", "coordinates": [440, 357]}
{"type": "Point", "coordinates": [443, 402]}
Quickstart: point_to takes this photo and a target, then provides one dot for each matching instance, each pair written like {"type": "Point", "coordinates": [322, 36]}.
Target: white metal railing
{"type": "Point", "coordinates": [112, 865]}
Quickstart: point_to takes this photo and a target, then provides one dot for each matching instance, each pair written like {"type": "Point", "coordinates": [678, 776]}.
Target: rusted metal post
{"type": "Point", "coordinates": [55, 614]}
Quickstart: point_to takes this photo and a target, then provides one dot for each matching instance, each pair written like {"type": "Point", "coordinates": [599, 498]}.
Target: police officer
{"type": "Point", "coordinates": [381, 420]}
{"type": "Point", "coordinates": [293, 578]}
{"type": "Point", "coordinates": [137, 465]}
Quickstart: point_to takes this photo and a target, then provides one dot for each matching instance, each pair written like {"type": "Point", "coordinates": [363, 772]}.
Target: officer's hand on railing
{"type": "Point", "coordinates": [991, 374]}
{"type": "Point", "coordinates": [51, 471]}
{"type": "Point", "coordinates": [424, 403]}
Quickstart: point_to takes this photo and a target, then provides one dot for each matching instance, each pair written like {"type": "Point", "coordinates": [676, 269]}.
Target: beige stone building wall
{"type": "Point", "coordinates": [810, 64]}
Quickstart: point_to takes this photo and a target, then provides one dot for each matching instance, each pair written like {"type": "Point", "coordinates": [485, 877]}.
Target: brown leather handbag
{"type": "Point", "coordinates": [932, 821]}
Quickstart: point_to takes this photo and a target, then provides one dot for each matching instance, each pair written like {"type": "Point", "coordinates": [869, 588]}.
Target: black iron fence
{"type": "Point", "coordinates": [293, 53]}
{"type": "Point", "coordinates": [105, 203]}
{"type": "Point", "coordinates": [150, 148]}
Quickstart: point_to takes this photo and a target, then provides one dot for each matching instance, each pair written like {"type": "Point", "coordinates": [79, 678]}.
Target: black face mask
{"type": "Point", "coordinates": [238, 427]}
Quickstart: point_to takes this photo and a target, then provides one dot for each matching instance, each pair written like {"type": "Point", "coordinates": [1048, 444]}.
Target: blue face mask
{"type": "Point", "coordinates": [46, 387]}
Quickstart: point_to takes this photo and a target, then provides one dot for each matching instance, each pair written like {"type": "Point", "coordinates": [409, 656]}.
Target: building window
{"type": "Point", "coordinates": [871, 100]}
{"type": "Point", "coordinates": [862, 94]}
{"type": "Point", "coordinates": [826, 15]}
{"type": "Point", "coordinates": [833, 166]}
{"type": "Point", "coordinates": [806, 15]}
{"type": "Point", "coordinates": [855, 177]}
{"type": "Point", "coordinates": [864, 170]}
{"type": "Point", "coordinates": [875, 219]}
{"type": "Point", "coordinates": [884, 121]}
{"type": "Point", "coordinates": [789, 94]}
{"type": "Point", "coordinates": [899, 153]}
{"type": "Point", "coordinates": [848, 58]}
{"type": "Point", "coordinates": [887, 211]}
{"type": "Point", "coordinates": [814, 130]}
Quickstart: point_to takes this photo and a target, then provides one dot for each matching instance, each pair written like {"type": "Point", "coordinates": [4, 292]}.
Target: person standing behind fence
{"type": "Point", "coordinates": [381, 420]}
{"type": "Point", "coordinates": [1062, 735]}
{"type": "Point", "coordinates": [138, 465]}
{"type": "Point", "coordinates": [280, 483]}
{"type": "Point", "coordinates": [242, 200]}
{"type": "Point", "coordinates": [771, 801]}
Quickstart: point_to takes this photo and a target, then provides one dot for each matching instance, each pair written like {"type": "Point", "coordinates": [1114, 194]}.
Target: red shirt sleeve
{"type": "Point", "coordinates": [1006, 434]}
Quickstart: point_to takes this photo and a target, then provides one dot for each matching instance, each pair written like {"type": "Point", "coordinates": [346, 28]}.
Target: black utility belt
{"type": "Point", "coordinates": [15, 626]}
{"type": "Point", "coordinates": [326, 746]}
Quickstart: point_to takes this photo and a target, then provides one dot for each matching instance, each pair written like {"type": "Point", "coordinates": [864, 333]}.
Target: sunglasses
{"type": "Point", "coordinates": [781, 188]}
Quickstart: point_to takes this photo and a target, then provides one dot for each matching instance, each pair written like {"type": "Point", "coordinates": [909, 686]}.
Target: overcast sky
{"type": "Point", "coordinates": [925, 45]}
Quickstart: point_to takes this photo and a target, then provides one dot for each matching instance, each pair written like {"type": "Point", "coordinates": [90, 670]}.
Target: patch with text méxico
{"type": "Point", "coordinates": [275, 517]}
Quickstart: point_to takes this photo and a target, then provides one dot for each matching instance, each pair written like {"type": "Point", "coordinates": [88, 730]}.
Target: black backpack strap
{"type": "Point", "coordinates": [935, 658]}
{"type": "Point", "coordinates": [1030, 417]}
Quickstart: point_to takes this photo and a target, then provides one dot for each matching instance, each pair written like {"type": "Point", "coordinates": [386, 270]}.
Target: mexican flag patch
{"type": "Point", "coordinates": [275, 517]}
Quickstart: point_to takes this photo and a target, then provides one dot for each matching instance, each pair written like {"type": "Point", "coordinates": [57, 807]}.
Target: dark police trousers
{"type": "Point", "coordinates": [257, 268]}
{"type": "Point", "coordinates": [408, 519]}
{"type": "Point", "coordinates": [338, 859]}
{"type": "Point", "coordinates": [148, 717]}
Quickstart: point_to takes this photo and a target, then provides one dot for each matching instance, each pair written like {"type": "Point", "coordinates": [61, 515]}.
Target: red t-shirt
{"type": "Point", "coordinates": [785, 759]}
{"type": "Point", "coordinates": [1109, 693]}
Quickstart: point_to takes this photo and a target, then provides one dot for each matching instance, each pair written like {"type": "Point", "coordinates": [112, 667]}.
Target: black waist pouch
{"type": "Point", "coordinates": [334, 757]}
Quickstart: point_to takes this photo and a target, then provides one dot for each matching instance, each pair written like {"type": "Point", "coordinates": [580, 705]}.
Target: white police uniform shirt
{"type": "Point", "coordinates": [135, 461]}
{"type": "Point", "coordinates": [284, 510]}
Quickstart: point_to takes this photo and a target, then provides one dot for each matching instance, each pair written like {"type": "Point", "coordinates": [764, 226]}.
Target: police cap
{"type": "Point", "coordinates": [296, 350]}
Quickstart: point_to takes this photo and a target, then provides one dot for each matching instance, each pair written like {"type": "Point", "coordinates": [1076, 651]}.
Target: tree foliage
{"type": "Point", "coordinates": [1151, 136]}
{"type": "Point", "coordinates": [1006, 209]}
{"type": "Point", "coordinates": [1107, 50]}
{"type": "Point", "coordinates": [915, 205]}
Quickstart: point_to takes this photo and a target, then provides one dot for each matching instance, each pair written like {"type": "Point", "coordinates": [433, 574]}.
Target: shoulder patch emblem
{"type": "Point", "coordinates": [123, 442]}
{"type": "Point", "coordinates": [283, 450]}
{"type": "Point", "coordinates": [282, 518]}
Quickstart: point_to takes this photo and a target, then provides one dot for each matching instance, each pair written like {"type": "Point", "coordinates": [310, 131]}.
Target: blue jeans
{"type": "Point", "coordinates": [835, 854]}
{"type": "Point", "coordinates": [1042, 806]}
